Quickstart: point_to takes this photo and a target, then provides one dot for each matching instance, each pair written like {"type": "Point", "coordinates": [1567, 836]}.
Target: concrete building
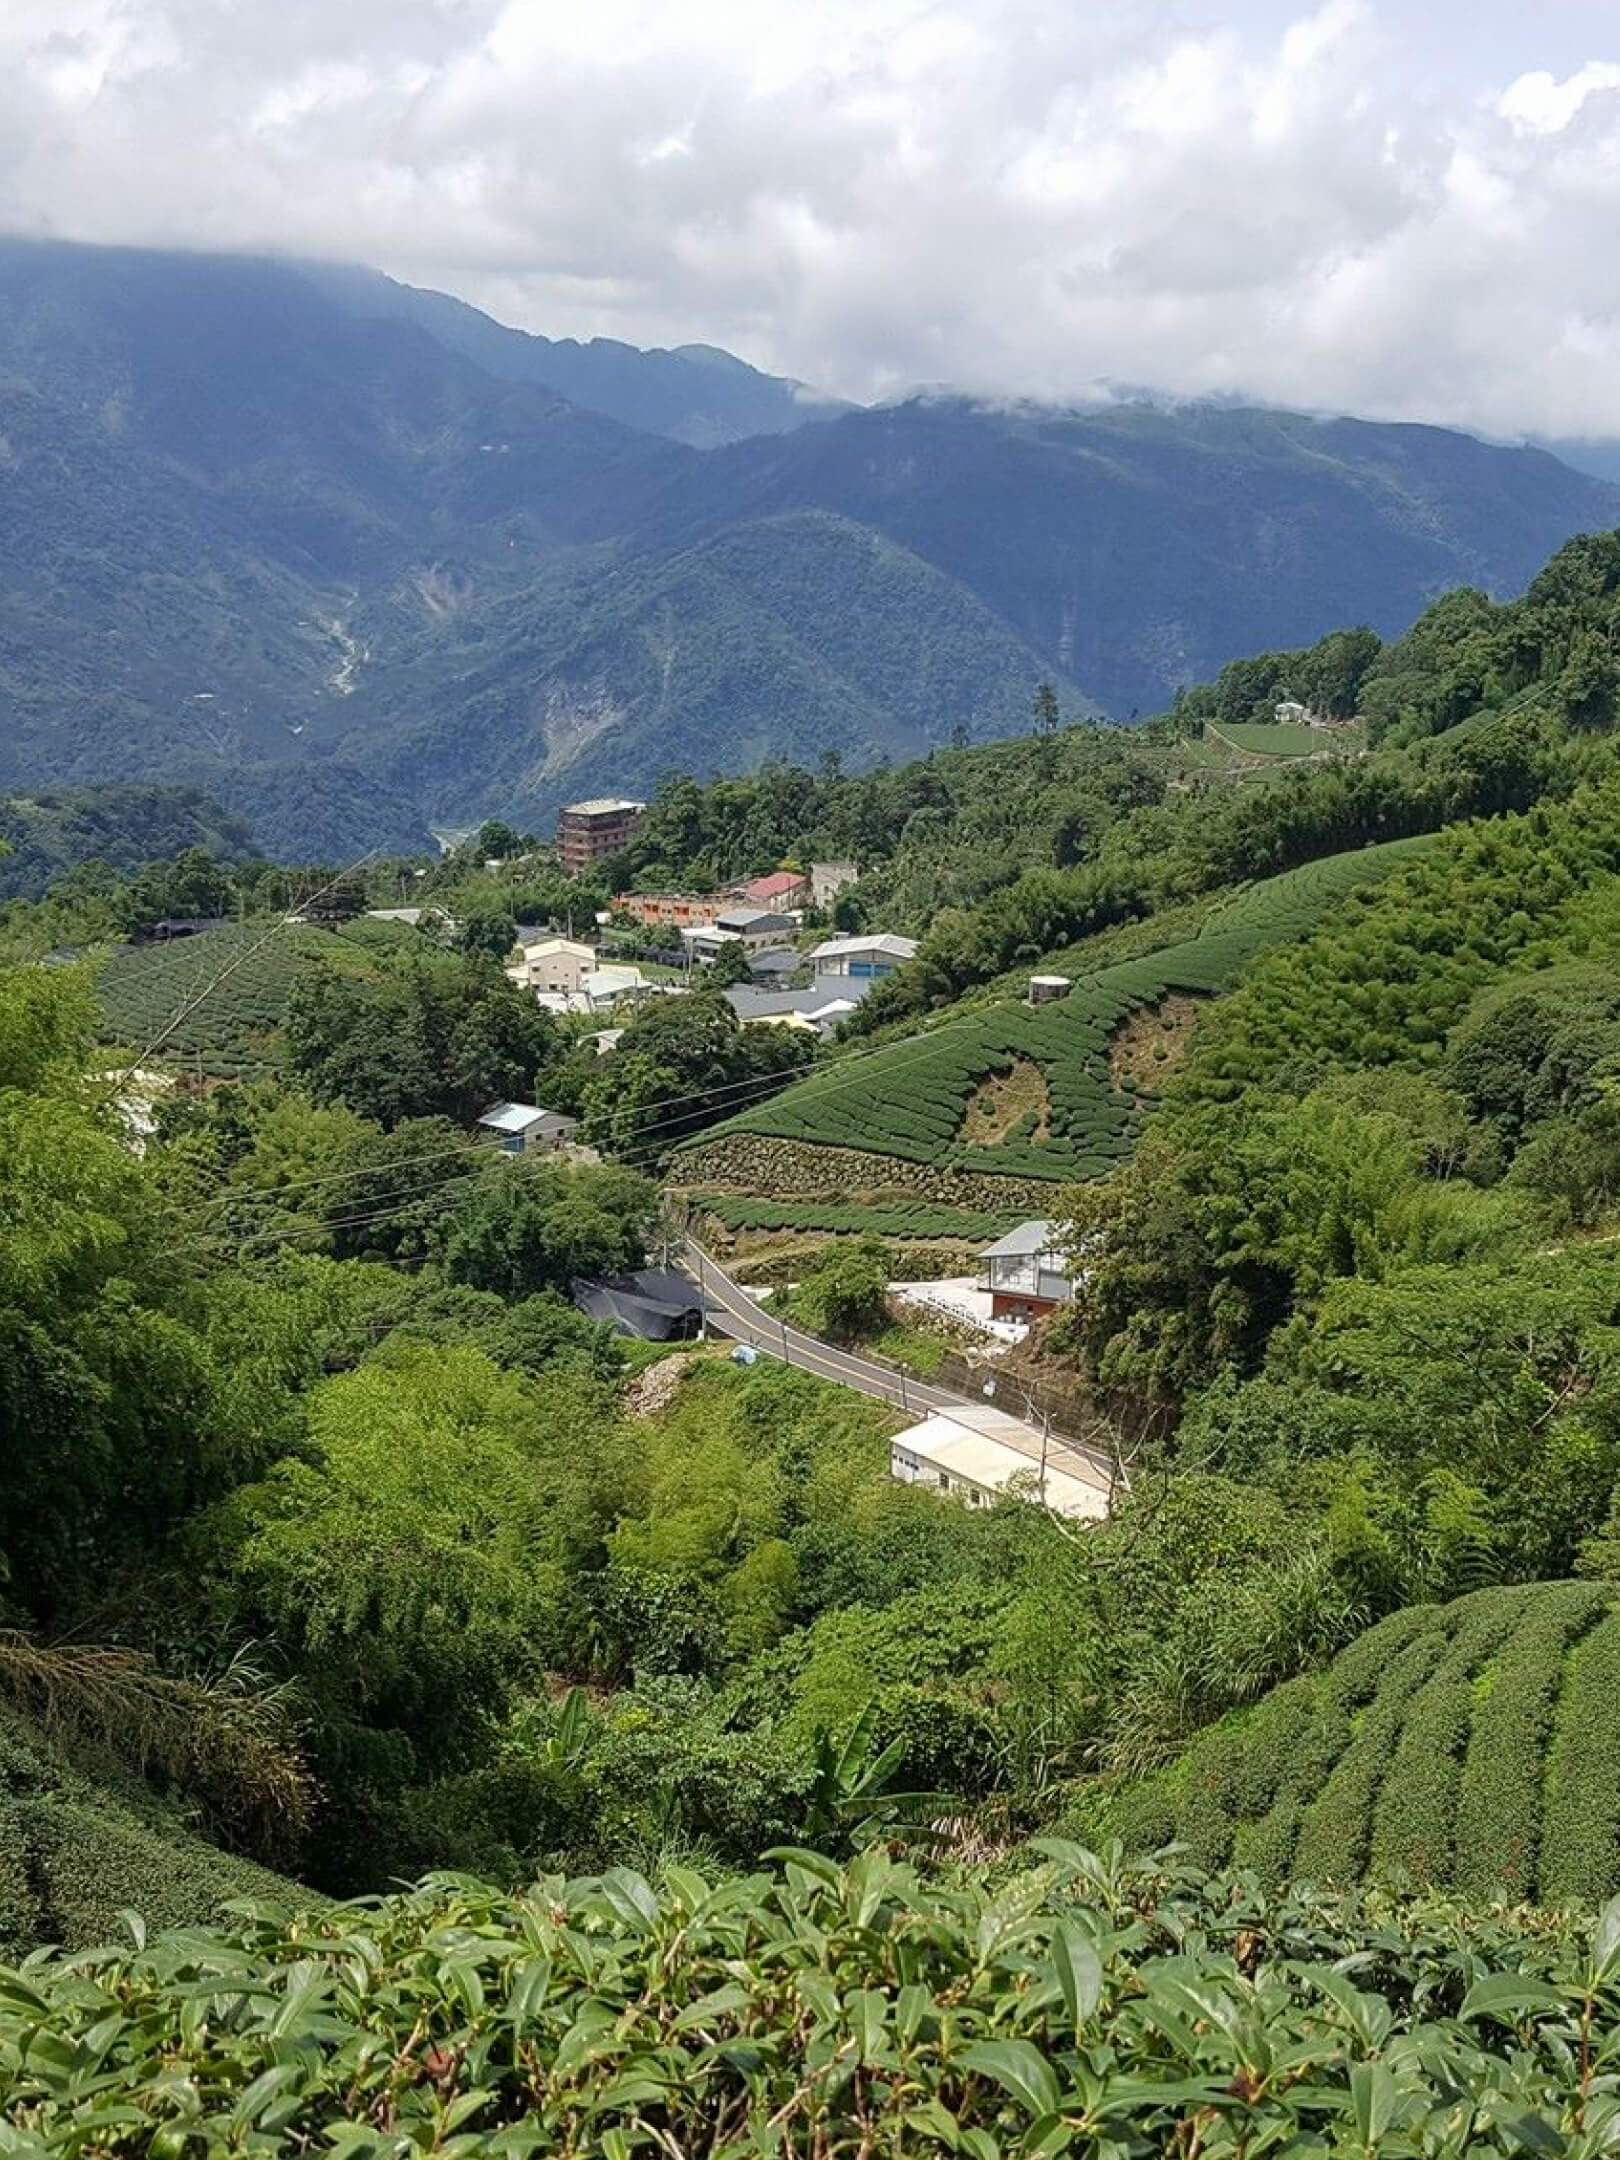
{"type": "Point", "coordinates": [1047, 989]}
{"type": "Point", "coordinates": [758, 929]}
{"type": "Point", "coordinates": [601, 987]}
{"type": "Point", "coordinates": [556, 966]}
{"type": "Point", "coordinates": [977, 1452]}
{"type": "Point", "coordinates": [1026, 1273]}
{"type": "Point", "coordinates": [525, 1128]}
{"type": "Point", "coordinates": [588, 831]}
{"type": "Point", "coordinates": [869, 956]}
{"type": "Point", "coordinates": [828, 879]}
{"type": "Point", "coordinates": [673, 911]}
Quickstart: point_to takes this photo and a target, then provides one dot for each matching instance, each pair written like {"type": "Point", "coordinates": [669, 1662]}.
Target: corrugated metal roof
{"type": "Point", "coordinates": [1022, 1242]}
{"type": "Point", "coordinates": [978, 1447]}
{"type": "Point", "coordinates": [519, 1117]}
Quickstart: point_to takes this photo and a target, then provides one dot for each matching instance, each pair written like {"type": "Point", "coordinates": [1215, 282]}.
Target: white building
{"type": "Point", "coordinates": [818, 1009]}
{"type": "Point", "coordinates": [869, 956]}
{"type": "Point", "coordinates": [552, 966]}
{"type": "Point", "coordinates": [604, 986]}
{"type": "Point", "coordinates": [525, 1128]}
{"type": "Point", "coordinates": [976, 1452]}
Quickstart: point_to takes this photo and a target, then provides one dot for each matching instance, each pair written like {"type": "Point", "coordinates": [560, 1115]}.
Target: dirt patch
{"type": "Point", "coordinates": [653, 1391]}
{"type": "Point", "coordinates": [1004, 1103]}
{"type": "Point", "coordinates": [1149, 1046]}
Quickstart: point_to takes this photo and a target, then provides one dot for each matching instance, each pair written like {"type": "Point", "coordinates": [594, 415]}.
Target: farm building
{"type": "Point", "coordinates": [525, 1128]}
{"type": "Point", "coordinates": [871, 956]}
{"type": "Point", "coordinates": [820, 1008]}
{"type": "Point", "coordinates": [652, 1304]}
{"type": "Point", "coordinates": [758, 930]}
{"type": "Point", "coordinates": [977, 1452]}
{"type": "Point", "coordinates": [1026, 1273]}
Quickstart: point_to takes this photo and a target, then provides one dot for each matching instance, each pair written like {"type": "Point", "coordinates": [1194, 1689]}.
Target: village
{"type": "Point", "coordinates": [752, 934]}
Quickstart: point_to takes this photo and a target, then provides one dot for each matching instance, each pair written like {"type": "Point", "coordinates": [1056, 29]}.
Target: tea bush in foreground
{"type": "Point", "coordinates": [1085, 2006]}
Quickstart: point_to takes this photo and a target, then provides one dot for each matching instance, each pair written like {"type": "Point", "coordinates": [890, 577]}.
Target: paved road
{"type": "Point", "coordinates": [731, 1311]}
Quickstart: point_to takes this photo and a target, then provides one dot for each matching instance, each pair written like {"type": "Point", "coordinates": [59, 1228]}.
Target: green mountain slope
{"type": "Point", "coordinates": [810, 634]}
{"type": "Point", "coordinates": [911, 1101]}
{"type": "Point", "coordinates": [695, 394]}
{"type": "Point", "coordinates": [1128, 545]}
{"type": "Point", "coordinates": [258, 521]}
{"type": "Point", "coordinates": [125, 827]}
{"type": "Point", "coordinates": [1473, 1746]}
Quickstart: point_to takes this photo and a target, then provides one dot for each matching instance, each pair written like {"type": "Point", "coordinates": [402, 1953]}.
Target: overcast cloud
{"type": "Point", "coordinates": [1335, 208]}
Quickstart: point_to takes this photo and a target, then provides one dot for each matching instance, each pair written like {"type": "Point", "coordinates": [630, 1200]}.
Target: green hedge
{"type": "Point", "coordinates": [1499, 1804]}
{"type": "Point", "coordinates": [1474, 1746]}
{"type": "Point", "coordinates": [1580, 1837]}
{"type": "Point", "coordinates": [1414, 1828]}
{"type": "Point", "coordinates": [75, 1852]}
{"type": "Point", "coordinates": [891, 1219]}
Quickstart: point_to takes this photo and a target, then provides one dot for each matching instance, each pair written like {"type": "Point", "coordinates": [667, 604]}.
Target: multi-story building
{"type": "Point", "coordinates": [661, 910]}
{"type": "Point", "coordinates": [588, 831]}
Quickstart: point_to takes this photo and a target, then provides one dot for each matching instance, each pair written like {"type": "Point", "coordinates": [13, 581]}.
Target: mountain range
{"type": "Point", "coordinates": [355, 558]}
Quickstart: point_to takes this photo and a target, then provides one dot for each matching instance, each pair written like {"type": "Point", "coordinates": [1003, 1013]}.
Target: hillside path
{"type": "Point", "coordinates": [729, 1310]}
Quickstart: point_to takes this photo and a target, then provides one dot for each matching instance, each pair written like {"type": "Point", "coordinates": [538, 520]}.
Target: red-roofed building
{"type": "Point", "coordinates": [781, 889]}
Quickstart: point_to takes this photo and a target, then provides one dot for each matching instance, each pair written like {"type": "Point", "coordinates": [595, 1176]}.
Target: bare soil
{"type": "Point", "coordinates": [1001, 1102]}
{"type": "Point", "coordinates": [1149, 1046]}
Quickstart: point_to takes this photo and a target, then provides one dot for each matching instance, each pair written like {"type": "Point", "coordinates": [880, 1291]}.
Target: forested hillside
{"type": "Point", "coordinates": [341, 1549]}
{"type": "Point", "coordinates": [355, 560]}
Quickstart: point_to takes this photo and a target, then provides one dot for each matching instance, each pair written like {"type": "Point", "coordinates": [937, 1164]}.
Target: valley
{"type": "Point", "coordinates": [923, 1414]}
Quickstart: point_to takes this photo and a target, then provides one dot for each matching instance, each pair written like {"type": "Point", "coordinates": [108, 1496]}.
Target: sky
{"type": "Point", "coordinates": [1401, 208]}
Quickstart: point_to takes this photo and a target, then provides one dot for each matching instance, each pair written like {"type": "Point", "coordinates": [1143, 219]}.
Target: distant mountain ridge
{"type": "Point", "coordinates": [695, 394]}
{"type": "Point", "coordinates": [355, 559]}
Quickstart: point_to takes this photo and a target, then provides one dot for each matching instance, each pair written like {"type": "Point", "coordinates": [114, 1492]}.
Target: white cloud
{"type": "Point", "coordinates": [1017, 196]}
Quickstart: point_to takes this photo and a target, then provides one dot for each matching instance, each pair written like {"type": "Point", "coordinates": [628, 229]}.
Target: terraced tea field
{"type": "Point", "coordinates": [739, 1212]}
{"type": "Point", "coordinates": [929, 1101]}
{"type": "Point", "coordinates": [217, 1000]}
{"type": "Point", "coordinates": [1273, 738]}
{"type": "Point", "coordinates": [1473, 1746]}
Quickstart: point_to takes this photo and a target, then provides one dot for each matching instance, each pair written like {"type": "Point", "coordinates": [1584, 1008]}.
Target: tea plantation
{"type": "Point", "coordinates": [736, 1212]}
{"type": "Point", "coordinates": [216, 1001]}
{"type": "Point", "coordinates": [1473, 1746]}
{"type": "Point", "coordinates": [1275, 738]}
{"type": "Point", "coordinates": [1079, 2006]}
{"type": "Point", "coordinates": [908, 1100]}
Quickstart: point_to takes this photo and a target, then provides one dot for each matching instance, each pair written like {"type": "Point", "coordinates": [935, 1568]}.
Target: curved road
{"type": "Point", "coordinates": [732, 1312]}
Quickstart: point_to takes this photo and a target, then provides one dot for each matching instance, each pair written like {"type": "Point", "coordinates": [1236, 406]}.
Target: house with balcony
{"type": "Point", "coordinates": [1027, 1273]}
